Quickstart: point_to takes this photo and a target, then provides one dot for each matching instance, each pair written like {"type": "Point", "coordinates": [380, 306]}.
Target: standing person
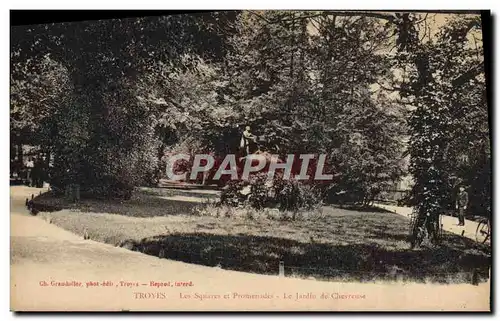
{"type": "Point", "coordinates": [461, 205]}
{"type": "Point", "coordinates": [30, 164]}
{"type": "Point", "coordinates": [38, 173]}
{"type": "Point", "coordinates": [43, 170]}
{"type": "Point", "coordinates": [246, 138]}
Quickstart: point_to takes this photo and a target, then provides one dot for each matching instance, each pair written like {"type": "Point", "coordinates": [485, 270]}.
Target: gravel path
{"type": "Point", "coordinates": [449, 223]}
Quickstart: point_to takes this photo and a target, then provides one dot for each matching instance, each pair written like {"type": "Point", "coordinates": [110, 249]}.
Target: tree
{"type": "Point", "coordinates": [449, 128]}
{"type": "Point", "coordinates": [113, 133]}
{"type": "Point", "coordinates": [293, 78]}
{"type": "Point", "coordinates": [39, 88]}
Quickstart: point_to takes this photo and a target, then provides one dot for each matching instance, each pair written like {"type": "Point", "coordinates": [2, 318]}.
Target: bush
{"type": "Point", "coordinates": [260, 192]}
{"type": "Point", "coordinates": [234, 193]}
{"type": "Point", "coordinates": [293, 195]}
{"type": "Point", "coordinates": [247, 212]}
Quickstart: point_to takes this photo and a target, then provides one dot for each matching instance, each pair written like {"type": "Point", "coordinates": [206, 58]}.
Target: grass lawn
{"type": "Point", "coordinates": [341, 244]}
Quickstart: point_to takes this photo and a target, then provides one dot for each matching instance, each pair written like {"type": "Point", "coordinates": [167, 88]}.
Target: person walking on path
{"type": "Point", "coordinates": [461, 205]}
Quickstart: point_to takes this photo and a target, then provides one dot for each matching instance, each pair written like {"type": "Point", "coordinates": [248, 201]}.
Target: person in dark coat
{"type": "Point", "coordinates": [461, 205]}
{"type": "Point", "coordinates": [38, 173]}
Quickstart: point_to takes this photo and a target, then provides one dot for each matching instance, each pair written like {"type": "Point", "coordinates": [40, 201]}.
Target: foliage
{"type": "Point", "coordinates": [269, 84]}
{"type": "Point", "coordinates": [449, 141]}
{"type": "Point", "coordinates": [247, 212]}
{"type": "Point", "coordinates": [84, 101]}
{"type": "Point", "coordinates": [260, 192]}
{"type": "Point", "coordinates": [301, 90]}
{"type": "Point", "coordinates": [39, 88]}
{"type": "Point", "coordinates": [336, 83]}
{"type": "Point", "coordinates": [188, 103]}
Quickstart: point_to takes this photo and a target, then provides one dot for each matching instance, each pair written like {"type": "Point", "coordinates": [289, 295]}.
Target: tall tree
{"type": "Point", "coordinates": [104, 111]}
{"type": "Point", "coordinates": [450, 136]}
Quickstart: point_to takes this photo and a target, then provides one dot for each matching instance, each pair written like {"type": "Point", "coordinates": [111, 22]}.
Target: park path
{"type": "Point", "coordinates": [449, 223]}
{"type": "Point", "coordinates": [41, 253]}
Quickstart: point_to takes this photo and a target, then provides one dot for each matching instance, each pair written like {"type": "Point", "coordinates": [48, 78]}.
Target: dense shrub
{"type": "Point", "coordinates": [234, 193]}
{"type": "Point", "coordinates": [247, 212]}
{"type": "Point", "coordinates": [106, 151]}
{"type": "Point", "coordinates": [260, 192]}
{"type": "Point", "coordinates": [293, 195]}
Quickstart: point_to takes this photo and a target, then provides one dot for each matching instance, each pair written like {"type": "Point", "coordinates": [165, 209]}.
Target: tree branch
{"type": "Point", "coordinates": [394, 88]}
{"type": "Point", "coordinates": [470, 74]}
{"type": "Point", "coordinates": [388, 17]}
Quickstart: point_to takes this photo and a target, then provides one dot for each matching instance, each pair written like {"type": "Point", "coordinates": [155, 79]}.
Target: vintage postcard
{"type": "Point", "coordinates": [271, 160]}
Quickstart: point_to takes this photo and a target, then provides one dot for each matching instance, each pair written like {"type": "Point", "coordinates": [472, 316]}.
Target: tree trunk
{"type": "Point", "coordinates": [20, 154]}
